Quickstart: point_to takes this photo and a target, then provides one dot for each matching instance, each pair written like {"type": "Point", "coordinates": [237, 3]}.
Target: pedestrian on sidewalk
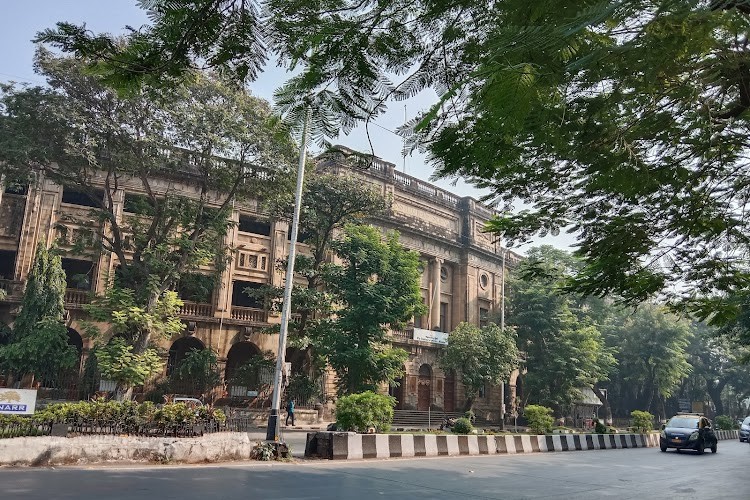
{"type": "Point", "coordinates": [290, 412]}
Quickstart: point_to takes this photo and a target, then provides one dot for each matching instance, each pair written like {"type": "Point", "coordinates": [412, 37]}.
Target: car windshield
{"type": "Point", "coordinates": [746, 421]}
{"type": "Point", "coordinates": [688, 422]}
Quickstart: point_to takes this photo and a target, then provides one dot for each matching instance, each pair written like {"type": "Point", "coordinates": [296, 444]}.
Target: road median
{"type": "Point", "coordinates": [353, 446]}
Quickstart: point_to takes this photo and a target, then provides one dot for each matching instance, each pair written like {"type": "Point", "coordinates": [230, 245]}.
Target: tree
{"type": "Point", "coordinates": [623, 121]}
{"type": "Point", "coordinates": [485, 356]}
{"type": "Point", "coordinates": [651, 350]}
{"type": "Point", "coordinates": [718, 365]}
{"type": "Point", "coordinates": [117, 361]}
{"type": "Point", "coordinates": [209, 134]}
{"type": "Point", "coordinates": [375, 287]}
{"type": "Point", "coordinates": [39, 342]}
{"type": "Point", "coordinates": [329, 203]}
{"type": "Point", "coordinates": [564, 348]}
{"type": "Point", "coordinates": [44, 294]}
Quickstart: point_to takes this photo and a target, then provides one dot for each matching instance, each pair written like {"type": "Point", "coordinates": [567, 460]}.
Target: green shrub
{"type": "Point", "coordinates": [462, 426]}
{"type": "Point", "coordinates": [599, 428]}
{"type": "Point", "coordinates": [643, 421]}
{"type": "Point", "coordinates": [539, 418]}
{"type": "Point", "coordinates": [263, 451]}
{"type": "Point", "coordinates": [725, 423]}
{"type": "Point", "coordinates": [359, 412]}
{"type": "Point", "coordinates": [127, 415]}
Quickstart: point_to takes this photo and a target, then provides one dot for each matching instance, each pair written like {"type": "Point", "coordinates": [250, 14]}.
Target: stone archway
{"type": "Point", "coordinates": [298, 358]}
{"type": "Point", "coordinates": [180, 348]}
{"type": "Point", "coordinates": [398, 391]}
{"type": "Point", "coordinates": [424, 387]}
{"type": "Point", "coordinates": [238, 355]}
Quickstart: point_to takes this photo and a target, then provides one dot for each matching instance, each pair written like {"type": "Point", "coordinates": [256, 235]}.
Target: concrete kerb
{"type": "Point", "coordinates": [350, 445]}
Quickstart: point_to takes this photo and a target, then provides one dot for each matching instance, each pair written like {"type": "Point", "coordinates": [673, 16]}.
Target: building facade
{"type": "Point", "coordinates": [462, 278]}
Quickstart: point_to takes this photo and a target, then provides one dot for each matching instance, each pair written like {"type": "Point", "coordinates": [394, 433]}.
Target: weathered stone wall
{"type": "Point", "coordinates": [97, 449]}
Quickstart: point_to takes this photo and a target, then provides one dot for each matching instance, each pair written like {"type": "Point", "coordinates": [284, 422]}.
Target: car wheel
{"type": "Point", "coordinates": [700, 449]}
{"type": "Point", "coordinates": [713, 448]}
{"type": "Point", "coordinates": [663, 447]}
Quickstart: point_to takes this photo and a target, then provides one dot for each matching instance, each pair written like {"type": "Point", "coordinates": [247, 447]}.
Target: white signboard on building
{"type": "Point", "coordinates": [17, 401]}
{"type": "Point", "coordinates": [431, 336]}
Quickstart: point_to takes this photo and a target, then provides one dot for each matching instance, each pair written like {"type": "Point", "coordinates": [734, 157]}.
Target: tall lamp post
{"type": "Point", "coordinates": [502, 327]}
{"type": "Point", "coordinates": [272, 432]}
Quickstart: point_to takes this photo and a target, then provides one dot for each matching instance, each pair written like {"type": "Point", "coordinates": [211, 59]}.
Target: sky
{"type": "Point", "coordinates": [21, 20]}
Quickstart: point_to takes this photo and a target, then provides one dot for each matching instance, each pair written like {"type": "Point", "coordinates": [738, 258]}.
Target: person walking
{"type": "Point", "coordinates": [290, 412]}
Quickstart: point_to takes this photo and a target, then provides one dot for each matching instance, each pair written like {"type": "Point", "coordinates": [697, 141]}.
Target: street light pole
{"type": "Point", "coordinates": [502, 327]}
{"type": "Point", "coordinates": [272, 432]}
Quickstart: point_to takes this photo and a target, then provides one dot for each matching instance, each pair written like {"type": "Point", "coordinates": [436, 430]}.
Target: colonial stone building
{"type": "Point", "coordinates": [462, 278]}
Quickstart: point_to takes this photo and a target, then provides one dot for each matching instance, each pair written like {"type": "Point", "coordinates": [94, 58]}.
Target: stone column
{"type": "Point", "coordinates": [223, 293]}
{"type": "Point", "coordinates": [437, 263]}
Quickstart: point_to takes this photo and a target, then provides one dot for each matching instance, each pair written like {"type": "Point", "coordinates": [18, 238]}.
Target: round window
{"type": "Point", "coordinates": [484, 280]}
{"type": "Point", "coordinates": [443, 274]}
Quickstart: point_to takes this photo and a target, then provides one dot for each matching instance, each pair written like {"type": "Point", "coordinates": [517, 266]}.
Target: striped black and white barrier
{"type": "Point", "coordinates": [346, 446]}
{"type": "Point", "coordinates": [727, 434]}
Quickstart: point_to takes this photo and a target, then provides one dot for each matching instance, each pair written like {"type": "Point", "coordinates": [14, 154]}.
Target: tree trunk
{"type": "Point", "coordinates": [714, 392]}
{"type": "Point", "coordinates": [469, 404]}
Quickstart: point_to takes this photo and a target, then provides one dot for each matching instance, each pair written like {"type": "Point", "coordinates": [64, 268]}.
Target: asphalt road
{"type": "Point", "coordinates": [622, 474]}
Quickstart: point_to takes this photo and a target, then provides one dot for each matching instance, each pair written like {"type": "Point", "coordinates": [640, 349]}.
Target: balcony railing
{"type": "Point", "coordinates": [402, 335]}
{"type": "Point", "coordinates": [249, 314]}
{"type": "Point", "coordinates": [76, 298]}
{"type": "Point", "coordinates": [199, 309]}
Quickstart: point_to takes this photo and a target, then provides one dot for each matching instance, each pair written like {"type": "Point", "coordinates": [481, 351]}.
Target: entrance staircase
{"type": "Point", "coordinates": [415, 419]}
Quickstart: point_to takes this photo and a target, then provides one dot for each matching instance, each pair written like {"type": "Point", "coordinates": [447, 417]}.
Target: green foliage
{"type": "Point", "coordinates": [725, 423]}
{"type": "Point", "coordinates": [329, 203]}
{"type": "Point", "coordinates": [197, 287]}
{"type": "Point", "coordinates": [263, 451]}
{"type": "Point", "coordinates": [564, 348]}
{"type": "Point", "coordinates": [44, 295]}
{"type": "Point", "coordinates": [462, 425]}
{"type": "Point", "coordinates": [539, 418]}
{"type": "Point", "coordinates": [377, 285]}
{"type": "Point", "coordinates": [718, 368]}
{"type": "Point", "coordinates": [643, 421]}
{"type": "Point", "coordinates": [480, 356]}
{"type": "Point", "coordinates": [120, 308]}
{"type": "Point", "coordinates": [117, 361]}
{"type": "Point", "coordinates": [199, 367]}
{"type": "Point", "coordinates": [599, 427]}
{"type": "Point", "coordinates": [82, 135]}
{"type": "Point", "coordinates": [128, 416]}
{"type": "Point", "coordinates": [360, 412]}
{"type": "Point", "coordinates": [45, 353]}
{"type": "Point", "coordinates": [302, 388]}
{"type": "Point", "coordinates": [249, 374]}
{"type": "Point", "coordinates": [640, 154]}
{"type": "Point", "coordinates": [650, 347]}
{"type": "Point", "coordinates": [39, 341]}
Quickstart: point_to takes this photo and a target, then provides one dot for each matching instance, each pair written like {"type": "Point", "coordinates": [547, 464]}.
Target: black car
{"type": "Point", "coordinates": [688, 432]}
